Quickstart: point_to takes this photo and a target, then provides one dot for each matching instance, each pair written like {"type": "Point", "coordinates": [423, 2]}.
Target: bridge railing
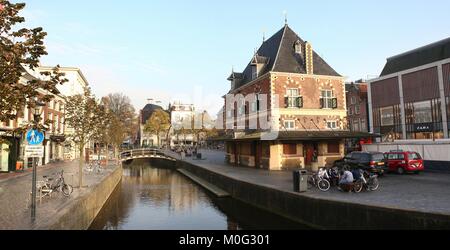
{"type": "Point", "coordinates": [140, 153]}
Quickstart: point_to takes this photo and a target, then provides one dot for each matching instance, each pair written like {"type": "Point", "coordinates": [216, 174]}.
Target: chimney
{"type": "Point", "coordinates": [308, 55]}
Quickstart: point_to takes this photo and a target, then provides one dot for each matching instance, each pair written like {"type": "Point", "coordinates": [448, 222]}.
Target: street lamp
{"type": "Point", "coordinates": [37, 112]}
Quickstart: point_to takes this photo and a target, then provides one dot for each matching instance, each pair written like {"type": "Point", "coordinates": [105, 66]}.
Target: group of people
{"type": "Point", "coordinates": [347, 178]}
{"type": "Point", "coordinates": [188, 151]}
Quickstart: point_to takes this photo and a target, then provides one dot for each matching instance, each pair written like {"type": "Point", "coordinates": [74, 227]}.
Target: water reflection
{"type": "Point", "coordinates": [163, 199]}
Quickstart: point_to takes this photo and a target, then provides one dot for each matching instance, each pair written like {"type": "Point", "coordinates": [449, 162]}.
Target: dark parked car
{"type": "Point", "coordinates": [373, 162]}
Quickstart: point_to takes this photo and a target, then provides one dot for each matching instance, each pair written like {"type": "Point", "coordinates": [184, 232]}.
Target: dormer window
{"type": "Point", "coordinates": [298, 47]}
{"type": "Point", "coordinates": [254, 72]}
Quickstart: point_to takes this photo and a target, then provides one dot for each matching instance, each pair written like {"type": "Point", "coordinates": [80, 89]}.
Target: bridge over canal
{"type": "Point", "coordinates": [144, 153]}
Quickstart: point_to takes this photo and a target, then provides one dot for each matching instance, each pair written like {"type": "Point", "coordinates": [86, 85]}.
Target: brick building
{"type": "Point", "coordinates": [357, 107]}
{"type": "Point", "coordinates": [287, 109]}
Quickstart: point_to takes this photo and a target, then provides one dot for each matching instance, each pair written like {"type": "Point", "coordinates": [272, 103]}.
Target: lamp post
{"type": "Point", "coordinates": [37, 111]}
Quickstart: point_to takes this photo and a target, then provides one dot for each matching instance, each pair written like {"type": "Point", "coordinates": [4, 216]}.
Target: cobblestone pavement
{"type": "Point", "coordinates": [15, 198]}
{"type": "Point", "coordinates": [427, 192]}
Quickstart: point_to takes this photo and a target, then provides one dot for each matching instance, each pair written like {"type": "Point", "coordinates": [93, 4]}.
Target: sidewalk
{"type": "Point", "coordinates": [15, 196]}
{"type": "Point", "coordinates": [427, 192]}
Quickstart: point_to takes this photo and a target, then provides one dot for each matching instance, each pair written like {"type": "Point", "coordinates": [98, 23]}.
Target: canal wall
{"type": "Point", "coordinates": [81, 212]}
{"type": "Point", "coordinates": [320, 213]}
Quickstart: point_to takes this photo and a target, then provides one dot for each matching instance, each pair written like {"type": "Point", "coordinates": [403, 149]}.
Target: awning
{"type": "Point", "coordinates": [297, 135]}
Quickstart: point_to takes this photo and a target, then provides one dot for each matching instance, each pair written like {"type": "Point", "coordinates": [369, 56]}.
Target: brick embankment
{"type": "Point", "coordinates": [402, 202]}
{"type": "Point", "coordinates": [56, 212]}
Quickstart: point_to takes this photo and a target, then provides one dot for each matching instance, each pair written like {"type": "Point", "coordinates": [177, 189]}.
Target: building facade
{"type": "Point", "coordinates": [148, 139]}
{"type": "Point", "coordinates": [13, 151]}
{"type": "Point", "coordinates": [183, 119]}
{"type": "Point", "coordinates": [357, 107]}
{"type": "Point", "coordinates": [76, 85]}
{"type": "Point", "coordinates": [299, 103]}
{"type": "Point", "coordinates": [411, 98]}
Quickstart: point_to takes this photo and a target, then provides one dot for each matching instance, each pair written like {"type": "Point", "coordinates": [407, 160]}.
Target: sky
{"type": "Point", "coordinates": [185, 49]}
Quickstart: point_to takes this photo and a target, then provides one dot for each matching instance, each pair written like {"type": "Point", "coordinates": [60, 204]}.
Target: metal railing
{"type": "Point", "coordinates": [142, 153]}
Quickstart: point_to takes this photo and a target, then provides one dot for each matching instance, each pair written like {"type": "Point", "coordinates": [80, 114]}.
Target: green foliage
{"type": "Point", "coordinates": [21, 49]}
{"type": "Point", "coordinates": [123, 120]}
{"type": "Point", "coordinates": [158, 122]}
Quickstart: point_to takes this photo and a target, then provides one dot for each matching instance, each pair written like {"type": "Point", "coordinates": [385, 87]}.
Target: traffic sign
{"type": "Point", "coordinates": [34, 151]}
{"type": "Point", "coordinates": [34, 137]}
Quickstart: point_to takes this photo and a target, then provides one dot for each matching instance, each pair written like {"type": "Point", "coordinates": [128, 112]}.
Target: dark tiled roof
{"type": "Point", "coordinates": [281, 57]}
{"type": "Point", "coordinates": [418, 57]}
{"type": "Point", "coordinates": [148, 110]}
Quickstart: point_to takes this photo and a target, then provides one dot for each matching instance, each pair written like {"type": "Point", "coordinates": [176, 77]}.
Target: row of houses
{"type": "Point", "coordinates": [56, 147]}
{"type": "Point", "coordinates": [289, 108]}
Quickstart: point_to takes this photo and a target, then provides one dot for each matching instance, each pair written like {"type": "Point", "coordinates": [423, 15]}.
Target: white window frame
{"type": "Point", "coordinates": [357, 109]}
{"type": "Point", "coordinates": [288, 123]}
{"type": "Point", "coordinates": [353, 100]}
{"type": "Point", "coordinates": [327, 99]}
{"type": "Point", "coordinates": [331, 122]}
{"type": "Point", "coordinates": [292, 97]}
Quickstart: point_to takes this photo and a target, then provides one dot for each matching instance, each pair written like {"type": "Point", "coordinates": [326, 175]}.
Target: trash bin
{"type": "Point", "coordinates": [300, 181]}
{"type": "Point", "coordinates": [303, 181]}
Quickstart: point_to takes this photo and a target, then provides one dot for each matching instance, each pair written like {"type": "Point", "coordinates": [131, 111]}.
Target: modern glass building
{"type": "Point", "coordinates": [411, 98]}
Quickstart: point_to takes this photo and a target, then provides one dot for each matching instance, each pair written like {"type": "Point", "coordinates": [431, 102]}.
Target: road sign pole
{"type": "Point", "coordinates": [33, 192]}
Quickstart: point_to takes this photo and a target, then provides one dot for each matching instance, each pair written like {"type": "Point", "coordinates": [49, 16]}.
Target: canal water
{"type": "Point", "coordinates": [160, 198]}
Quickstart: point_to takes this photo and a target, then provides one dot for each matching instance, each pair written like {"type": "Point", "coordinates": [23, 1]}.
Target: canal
{"type": "Point", "coordinates": [151, 197]}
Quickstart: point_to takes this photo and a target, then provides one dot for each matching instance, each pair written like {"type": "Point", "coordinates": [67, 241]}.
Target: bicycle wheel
{"type": "Point", "coordinates": [311, 182]}
{"type": "Point", "coordinates": [67, 190]}
{"type": "Point", "coordinates": [324, 185]}
{"type": "Point", "coordinates": [358, 187]}
{"type": "Point", "coordinates": [374, 184]}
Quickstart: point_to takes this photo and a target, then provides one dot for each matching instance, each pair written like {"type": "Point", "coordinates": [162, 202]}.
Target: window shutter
{"type": "Point", "coordinates": [286, 102]}
{"type": "Point", "coordinates": [300, 102]}
{"type": "Point", "coordinates": [322, 103]}
{"type": "Point", "coordinates": [257, 105]}
{"type": "Point", "coordinates": [335, 103]}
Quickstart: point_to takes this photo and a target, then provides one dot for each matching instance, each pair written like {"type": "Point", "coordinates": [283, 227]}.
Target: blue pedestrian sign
{"type": "Point", "coordinates": [35, 137]}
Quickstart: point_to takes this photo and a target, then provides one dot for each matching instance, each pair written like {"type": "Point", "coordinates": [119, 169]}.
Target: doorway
{"type": "Point", "coordinates": [311, 151]}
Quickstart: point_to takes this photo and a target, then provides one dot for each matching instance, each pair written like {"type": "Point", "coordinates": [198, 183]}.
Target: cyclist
{"type": "Point", "coordinates": [346, 181]}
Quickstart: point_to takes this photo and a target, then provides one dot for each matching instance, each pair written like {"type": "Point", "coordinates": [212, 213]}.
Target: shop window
{"type": "Point", "coordinates": [387, 116]}
{"type": "Point", "coordinates": [422, 112]}
{"type": "Point", "coordinates": [333, 148]}
{"type": "Point", "coordinates": [290, 149]}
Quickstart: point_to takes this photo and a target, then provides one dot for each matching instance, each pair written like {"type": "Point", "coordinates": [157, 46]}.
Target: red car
{"type": "Point", "coordinates": [404, 162]}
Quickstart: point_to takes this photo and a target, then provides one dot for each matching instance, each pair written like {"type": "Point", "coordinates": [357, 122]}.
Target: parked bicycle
{"type": "Point", "coordinates": [319, 180]}
{"type": "Point", "coordinates": [368, 182]}
{"type": "Point", "coordinates": [94, 167]}
{"type": "Point", "coordinates": [51, 185]}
